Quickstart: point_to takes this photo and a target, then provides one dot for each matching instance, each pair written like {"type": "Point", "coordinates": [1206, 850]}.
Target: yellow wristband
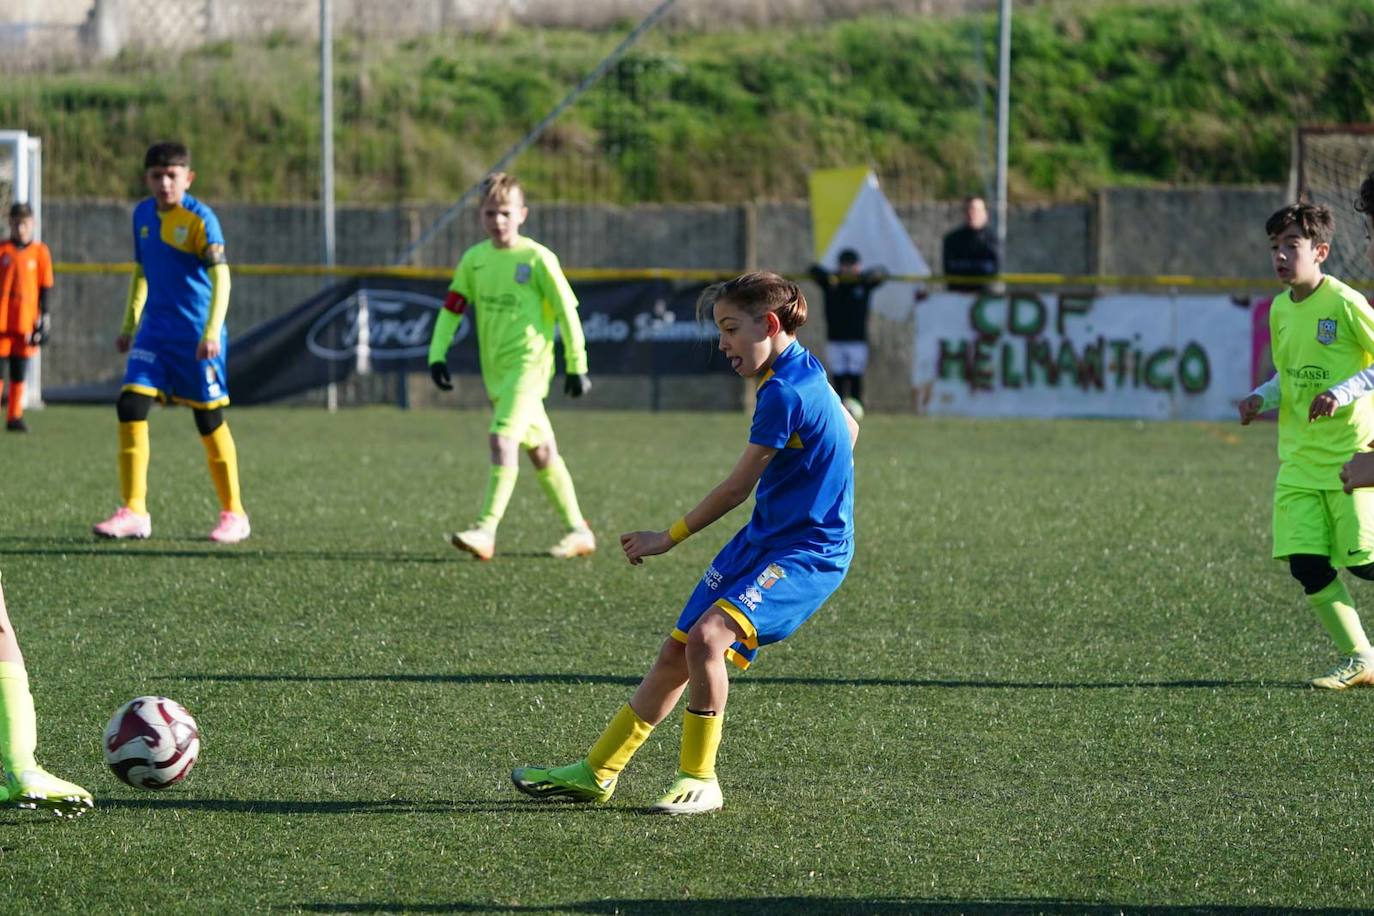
{"type": "Point", "coordinates": [680, 532]}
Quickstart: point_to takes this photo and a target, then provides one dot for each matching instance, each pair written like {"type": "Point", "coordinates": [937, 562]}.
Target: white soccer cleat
{"type": "Point", "coordinates": [479, 542]}
{"type": "Point", "coordinates": [125, 523]}
{"type": "Point", "coordinates": [689, 795]}
{"type": "Point", "coordinates": [1350, 672]}
{"type": "Point", "coordinates": [232, 528]}
{"type": "Point", "coordinates": [580, 542]}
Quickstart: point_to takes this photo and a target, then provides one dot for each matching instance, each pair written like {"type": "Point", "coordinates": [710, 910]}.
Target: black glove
{"type": "Point", "coordinates": [40, 330]}
{"type": "Point", "coordinates": [574, 386]}
{"type": "Point", "coordinates": [439, 372]}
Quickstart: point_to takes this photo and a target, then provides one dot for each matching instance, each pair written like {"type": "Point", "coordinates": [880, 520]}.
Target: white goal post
{"type": "Point", "coordinates": [21, 182]}
{"type": "Point", "coordinates": [1329, 163]}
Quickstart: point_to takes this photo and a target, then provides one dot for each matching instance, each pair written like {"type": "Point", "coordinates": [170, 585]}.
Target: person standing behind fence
{"type": "Point", "coordinates": [519, 296]}
{"type": "Point", "coordinates": [25, 279]}
{"type": "Point", "coordinates": [174, 334]}
{"type": "Point", "coordinates": [848, 292]}
{"type": "Point", "coordinates": [1321, 332]}
{"type": "Point", "coordinates": [971, 250]}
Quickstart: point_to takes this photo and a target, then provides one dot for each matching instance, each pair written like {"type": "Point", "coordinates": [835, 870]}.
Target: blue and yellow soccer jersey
{"type": "Point", "coordinates": [1318, 343]}
{"type": "Point", "coordinates": [518, 295]}
{"type": "Point", "coordinates": [171, 248]}
{"type": "Point", "coordinates": [806, 494]}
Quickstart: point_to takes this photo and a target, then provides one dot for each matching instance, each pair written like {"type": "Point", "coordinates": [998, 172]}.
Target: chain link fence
{"type": "Point", "coordinates": [642, 171]}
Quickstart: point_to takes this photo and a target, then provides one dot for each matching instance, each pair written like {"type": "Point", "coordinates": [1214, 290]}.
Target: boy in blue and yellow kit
{"type": "Point", "coordinates": [764, 584]}
{"type": "Point", "coordinates": [174, 334]}
{"type": "Point", "coordinates": [1322, 334]}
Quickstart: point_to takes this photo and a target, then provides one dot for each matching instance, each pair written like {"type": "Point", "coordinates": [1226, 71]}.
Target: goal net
{"type": "Point", "coordinates": [21, 182]}
{"type": "Point", "coordinates": [1329, 163]}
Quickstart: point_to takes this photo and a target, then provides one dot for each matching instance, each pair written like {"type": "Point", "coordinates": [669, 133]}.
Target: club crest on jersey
{"type": "Point", "coordinates": [770, 576]}
{"type": "Point", "coordinates": [522, 273]}
{"type": "Point", "coordinates": [1326, 331]}
{"type": "Point", "coordinates": [180, 233]}
{"type": "Point", "coordinates": [143, 232]}
{"type": "Point", "coordinates": [4, 260]}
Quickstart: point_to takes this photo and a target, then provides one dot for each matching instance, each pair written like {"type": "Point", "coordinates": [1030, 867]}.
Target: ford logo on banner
{"type": "Point", "coordinates": [397, 324]}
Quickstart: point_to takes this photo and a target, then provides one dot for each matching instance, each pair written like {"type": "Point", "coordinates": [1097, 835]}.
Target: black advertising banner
{"type": "Point", "coordinates": [632, 328]}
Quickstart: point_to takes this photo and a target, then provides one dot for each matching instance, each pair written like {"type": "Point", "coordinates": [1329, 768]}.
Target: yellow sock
{"type": "Point", "coordinates": [223, 459]}
{"type": "Point", "coordinates": [618, 743]}
{"type": "Point", "coordinates": [18, 724]}
{"type": "Point", "coordinates": [700, 741]}
{"type": "Point", "coordinates": [133, 465]}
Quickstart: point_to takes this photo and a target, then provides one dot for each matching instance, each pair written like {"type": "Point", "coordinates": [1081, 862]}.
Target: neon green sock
{"type": "Point", "coordinates": [1335, 610]}
{"type": "Point", "coordinates": [558, 487]}
{"type": "Point", "coordinates": [18, 724]}
{"type": "Point", "coordinates": [500, 485]}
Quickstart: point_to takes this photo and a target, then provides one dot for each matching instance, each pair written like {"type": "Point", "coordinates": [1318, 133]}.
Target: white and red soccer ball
{"type": "Point", "coordinates": [151, 742]}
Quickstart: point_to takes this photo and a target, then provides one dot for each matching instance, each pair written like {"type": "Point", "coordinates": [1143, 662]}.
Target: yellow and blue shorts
{"type": "Point", "coordinates": [1328, 523]}
{"type": "Point", "coordinates": [518, 412]}
{"type": "Point", "coordinates": [169, 371]}
{"type": "Point", "coordinates": [768, 591]}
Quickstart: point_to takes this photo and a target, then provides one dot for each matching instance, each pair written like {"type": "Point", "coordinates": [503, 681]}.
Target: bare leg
{"type": "Point", "coordinates": [715, 632]}
{"type": "Point", "coordinates": [658, 694]}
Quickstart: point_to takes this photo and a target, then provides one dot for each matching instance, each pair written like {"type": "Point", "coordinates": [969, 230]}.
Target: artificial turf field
{"type": "Point", "coordinates": [1062, 677]}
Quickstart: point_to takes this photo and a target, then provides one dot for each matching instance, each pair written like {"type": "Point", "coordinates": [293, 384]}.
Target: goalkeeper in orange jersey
{"type": "Point", "coordinates": [26, 784]}
{"type": "Point", "coordinates": [518, 294]}
{"type": "Point", "coordinates": [25, 279]}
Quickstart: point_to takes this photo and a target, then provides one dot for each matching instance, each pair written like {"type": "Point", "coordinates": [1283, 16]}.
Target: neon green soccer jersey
{"type": "Point", "coordinates": [1318, 343]}
{"type": "Point", "coordinates": [518, 295]}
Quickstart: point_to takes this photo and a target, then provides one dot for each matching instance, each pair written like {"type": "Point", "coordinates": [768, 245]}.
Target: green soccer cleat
{"type": "Point", "coordinates": [574, 782]}
{"type": "Point", "coordinates": [37, 788]}
{"type": "Point", "coordinates": [689, 795]}
{"type": "Point", "coordinates": [1351, 672]}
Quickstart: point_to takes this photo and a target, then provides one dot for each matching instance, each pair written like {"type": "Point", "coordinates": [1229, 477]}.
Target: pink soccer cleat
{"type": "Point", "coordinates": [125, 523]}
{"type": "Point", "coordinates": [232, 528]}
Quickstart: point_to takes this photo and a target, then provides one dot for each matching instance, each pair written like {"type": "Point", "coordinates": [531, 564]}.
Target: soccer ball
{"type": "Point", "coordinates": [856, 410]}
{"type": "Point", "coordinates": [151, 742]}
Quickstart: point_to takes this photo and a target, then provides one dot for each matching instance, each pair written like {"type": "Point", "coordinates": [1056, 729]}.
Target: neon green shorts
{"type": "Point", "coordinates": [518, 413]}
{"type": "Point", "coordinates": [1328, 523]}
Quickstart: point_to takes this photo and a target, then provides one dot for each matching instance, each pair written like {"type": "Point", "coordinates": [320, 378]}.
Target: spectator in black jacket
{"type": "Point", "coordinates": [847, 291]}
{"type": "Point", "coordinates": [971, 250]}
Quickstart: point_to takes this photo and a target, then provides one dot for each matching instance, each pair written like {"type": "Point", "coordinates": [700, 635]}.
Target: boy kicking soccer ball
{"type": "Point", "coordinates": [517, 290]}
{"type": "Point", "coordinates": [773, 575]}
{"type": "Point", "coordinates": [1321, 331]}
{"type": "Point", "coordinates": [27, 785]}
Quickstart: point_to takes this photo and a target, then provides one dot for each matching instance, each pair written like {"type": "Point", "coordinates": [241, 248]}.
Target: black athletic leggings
{"type": "Point", "coordinates": [133, 406]}
{"type": "Point", "coordinates": [1316, 572]}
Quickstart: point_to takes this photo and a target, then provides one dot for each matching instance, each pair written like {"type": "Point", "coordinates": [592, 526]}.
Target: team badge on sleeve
{"type": "Point", "coordinates": [1326, 331]}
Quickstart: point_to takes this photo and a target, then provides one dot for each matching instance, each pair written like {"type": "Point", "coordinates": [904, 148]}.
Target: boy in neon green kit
{"type": "Point", "coordinates": [519, 294]}
{"type": "Point", "coordinates": [1322, 334]}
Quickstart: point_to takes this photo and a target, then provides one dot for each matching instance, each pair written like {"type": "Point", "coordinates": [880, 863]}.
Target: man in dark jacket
{"type": "Point", "coordinates": [971, 250]}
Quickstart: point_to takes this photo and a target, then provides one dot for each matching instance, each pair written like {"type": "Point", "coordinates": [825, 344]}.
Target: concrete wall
{"type": "Point", "coordinates": [1204, 232]}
